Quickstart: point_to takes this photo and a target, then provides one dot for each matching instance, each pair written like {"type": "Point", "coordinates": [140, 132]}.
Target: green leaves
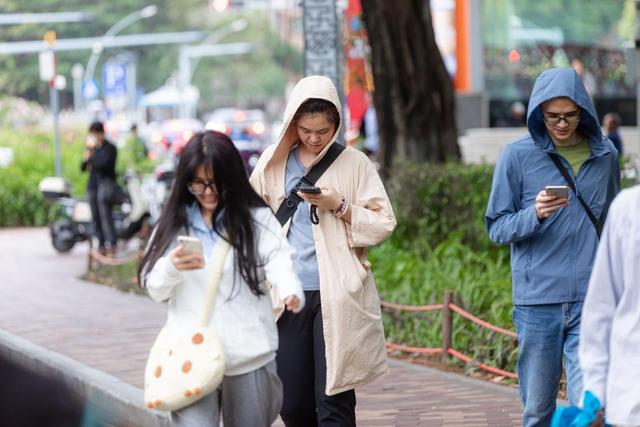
{"type": "Point", "coordinates": [21, 203]}
{"type": "Point", "coordinates": [441, 244]}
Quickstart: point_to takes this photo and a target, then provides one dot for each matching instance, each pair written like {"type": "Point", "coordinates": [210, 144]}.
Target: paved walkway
{"type": "Point", "coordinates": [44, 302]}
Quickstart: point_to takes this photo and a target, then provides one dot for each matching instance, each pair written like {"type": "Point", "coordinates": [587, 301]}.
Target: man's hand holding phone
{"type": "Point", "coordinates": [550, 200]}
{"type": "Point", "coordinates": [188, 255]}
{"type": "Point", "coordinates": [90, 147]}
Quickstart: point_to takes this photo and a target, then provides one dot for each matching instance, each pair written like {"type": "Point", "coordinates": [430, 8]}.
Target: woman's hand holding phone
{"type": "Point", "coordinates": [328, 198]}
{"type": "Point", "coordinates": [187, 255]}
{"type": "Point", "coordinates": [292, 303]}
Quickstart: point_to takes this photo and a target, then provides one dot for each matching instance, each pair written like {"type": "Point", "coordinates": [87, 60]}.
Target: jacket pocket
{"type": "Point", "coordinates": [363, 269]}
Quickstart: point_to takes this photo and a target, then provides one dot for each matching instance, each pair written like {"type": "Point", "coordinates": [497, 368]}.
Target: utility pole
{"type": "Point", "coordinates": [321, 54]}
{"type": "Point", "coordinates": [323, 43]}
{"type": "Point", "coordinates": [48, 73]}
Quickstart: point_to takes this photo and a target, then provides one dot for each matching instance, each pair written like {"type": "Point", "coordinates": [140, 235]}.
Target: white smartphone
{"type": "Point", "coordinates": [557, 190]}
{"type": "Point", "coordinates": [192, 245]}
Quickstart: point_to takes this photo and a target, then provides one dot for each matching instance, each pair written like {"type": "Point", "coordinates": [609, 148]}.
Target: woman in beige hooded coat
{"type": "Point", "coordinates": [337, 342]}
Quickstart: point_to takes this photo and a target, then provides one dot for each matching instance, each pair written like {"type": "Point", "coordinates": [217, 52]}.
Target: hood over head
{"type": "Point", "coordinates": [557, 83]}
{"type": "Point", "coordinates": [318, 87]}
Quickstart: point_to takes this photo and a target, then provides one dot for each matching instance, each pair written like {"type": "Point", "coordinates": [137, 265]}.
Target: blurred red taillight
{"type": "Point", "coordinates": [258, 128]}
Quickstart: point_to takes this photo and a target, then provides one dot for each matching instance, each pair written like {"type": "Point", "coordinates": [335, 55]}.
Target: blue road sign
{"type": "Point", "coordinates": [90, 89]}
{"type": "Point", "coordinates": [114, 75]}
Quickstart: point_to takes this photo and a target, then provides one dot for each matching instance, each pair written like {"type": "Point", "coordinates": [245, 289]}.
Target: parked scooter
{"type": "Point", "coordinates": [72, 221]}
{"type": "Point", "coordinates": [156, 188]}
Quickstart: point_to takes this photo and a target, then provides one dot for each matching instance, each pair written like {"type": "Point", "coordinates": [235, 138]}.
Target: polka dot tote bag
{"type": "Point", "coordinates": [183, 368]}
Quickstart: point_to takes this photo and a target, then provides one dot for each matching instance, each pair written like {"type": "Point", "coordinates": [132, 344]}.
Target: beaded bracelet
{"type": "Point", "coordinates": [342, 209]}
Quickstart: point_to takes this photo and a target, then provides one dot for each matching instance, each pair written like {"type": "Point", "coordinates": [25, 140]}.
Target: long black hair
{"type": "Point", "coordinates": [217, 153]}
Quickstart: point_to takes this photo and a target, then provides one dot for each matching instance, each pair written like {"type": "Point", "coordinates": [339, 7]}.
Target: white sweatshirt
{"type": "Point", "coordinates": [244, 321]}
{"type": "Point", "coordinates": [610, 326]}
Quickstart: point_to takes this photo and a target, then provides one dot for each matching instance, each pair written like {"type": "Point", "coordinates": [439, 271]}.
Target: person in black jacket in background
{"type": "Point", "coordinates": [100, 160]}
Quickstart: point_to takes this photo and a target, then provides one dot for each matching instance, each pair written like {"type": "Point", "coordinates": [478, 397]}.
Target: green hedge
{"type": "Point", "coordinates": [441, 244]}
{"type": "Point", "coordinates": [21, 203]}
{"type": "Point", "coordinates": [436, 201]}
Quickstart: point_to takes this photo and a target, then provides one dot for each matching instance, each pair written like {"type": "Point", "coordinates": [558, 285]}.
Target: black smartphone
{"type": "Point", "coordinates": [309, 190]}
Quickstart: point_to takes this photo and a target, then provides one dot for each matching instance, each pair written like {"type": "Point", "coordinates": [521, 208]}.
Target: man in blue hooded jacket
{"type": "Point", "coordinates": [553, 240]}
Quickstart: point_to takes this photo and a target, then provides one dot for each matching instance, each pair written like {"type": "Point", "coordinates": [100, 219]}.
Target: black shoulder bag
{"type": "Point", "coordinates": [291, 202]}
{"type": "Point", "coordinates": [597, 223]}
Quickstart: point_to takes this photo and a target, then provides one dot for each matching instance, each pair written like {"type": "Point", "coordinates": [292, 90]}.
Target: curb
{"type": "Point", "coordinates": [120, 403]}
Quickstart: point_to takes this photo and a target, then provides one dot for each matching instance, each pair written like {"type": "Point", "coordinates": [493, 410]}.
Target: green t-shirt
{"type": "Point", "coordinates": [576, 154]}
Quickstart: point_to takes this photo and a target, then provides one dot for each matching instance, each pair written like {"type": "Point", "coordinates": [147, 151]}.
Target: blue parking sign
{"type": "Point", "coordinates": [114, 77]}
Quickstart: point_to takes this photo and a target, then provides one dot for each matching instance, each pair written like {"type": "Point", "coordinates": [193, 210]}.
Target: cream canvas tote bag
{"type": "Point", "coordinates": [182, 368]}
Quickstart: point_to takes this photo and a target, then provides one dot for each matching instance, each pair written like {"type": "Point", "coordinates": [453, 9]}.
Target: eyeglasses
{"type": "Point", "coordinates": [554, 119]}
{"type": "Point", "coordinates": [199, 186]}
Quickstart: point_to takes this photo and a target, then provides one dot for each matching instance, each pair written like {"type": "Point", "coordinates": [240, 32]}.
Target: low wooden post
{"type": "Point", "coordinates": [446, 326]}
{"type": "Point", "coordinates": [90, 256]}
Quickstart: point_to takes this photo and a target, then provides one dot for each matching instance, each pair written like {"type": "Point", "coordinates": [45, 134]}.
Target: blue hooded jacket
{"type": "Point", "coordinates": [551, 259]}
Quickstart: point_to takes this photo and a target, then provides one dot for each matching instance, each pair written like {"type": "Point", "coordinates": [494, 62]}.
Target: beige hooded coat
{"type": "Point", "coordinates": [352, 323]}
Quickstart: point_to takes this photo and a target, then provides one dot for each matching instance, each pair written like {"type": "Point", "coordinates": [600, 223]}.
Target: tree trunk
{"type": "Point", "coordinates": [414, 96]}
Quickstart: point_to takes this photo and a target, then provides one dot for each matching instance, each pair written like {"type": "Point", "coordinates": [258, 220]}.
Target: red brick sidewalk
{"type": "Point", "coordinates": [44, 302]}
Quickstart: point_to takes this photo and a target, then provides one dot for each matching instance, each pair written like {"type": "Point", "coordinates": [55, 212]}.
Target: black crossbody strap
{"type": "Point", "coordinates": [291, 202]}
{"type": "Point", "coordinates": [597, 223]}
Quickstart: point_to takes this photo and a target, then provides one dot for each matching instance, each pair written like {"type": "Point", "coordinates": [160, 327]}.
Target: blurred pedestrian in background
{"type": "Point", "coordinates": [134, 153]}
{"type": "Point", "coordinates": [370, 123]}
{"type": "Point", "coordinates": [211, 199]}
{"type": "Point", "coordinates": [337, 342]}
{"type": "Point", "coordinates": [611, 123]}
{"type": "Point", "coordinates": [587, 77]}
{"type": "Point", "coordinates": [99, 159]}
{"type": "Point", "coordinates": [517, 116]}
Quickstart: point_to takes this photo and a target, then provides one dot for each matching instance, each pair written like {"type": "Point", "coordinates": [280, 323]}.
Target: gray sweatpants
{"type": "Point", "coordinates": [249, 400]}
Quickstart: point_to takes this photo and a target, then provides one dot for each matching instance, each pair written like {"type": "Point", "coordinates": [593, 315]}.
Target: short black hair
{"type": "Point", "coordinates": [97, 127]}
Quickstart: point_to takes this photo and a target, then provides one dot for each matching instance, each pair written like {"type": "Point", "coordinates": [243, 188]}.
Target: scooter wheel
{"type": "Point", "coordinates": [62, 236]}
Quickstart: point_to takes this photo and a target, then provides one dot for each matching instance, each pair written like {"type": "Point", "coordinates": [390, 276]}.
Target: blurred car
{"type": "Point", "coordinates": [173, 134]}
{"type": "Point", "coordinates": [247, 129]}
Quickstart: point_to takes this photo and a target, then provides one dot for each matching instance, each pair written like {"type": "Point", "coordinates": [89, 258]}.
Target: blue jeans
{"type": "Point", "coordinates": [545, 332]}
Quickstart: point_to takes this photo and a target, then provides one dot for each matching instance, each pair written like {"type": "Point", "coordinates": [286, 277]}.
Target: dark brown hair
{"type": "Point", "coordinates": [318, 106]}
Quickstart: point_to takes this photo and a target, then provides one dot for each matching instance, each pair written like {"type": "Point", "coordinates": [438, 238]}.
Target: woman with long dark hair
{"type": "Point", "coordinates": [211, 199]}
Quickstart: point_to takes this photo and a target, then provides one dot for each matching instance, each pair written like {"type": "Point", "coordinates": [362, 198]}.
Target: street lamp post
{"type": "Point", "coordinates": [222, 32]}
{"type": "Point", "coordinates": [186, 68]}
{"type": "Point", "coordinates": [97, 49]}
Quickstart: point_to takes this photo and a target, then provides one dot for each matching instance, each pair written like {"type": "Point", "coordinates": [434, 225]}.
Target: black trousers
{"type": "Point", "coordinates": [102, 213]}
{"type": "Point", "coordinates": [302, 367]}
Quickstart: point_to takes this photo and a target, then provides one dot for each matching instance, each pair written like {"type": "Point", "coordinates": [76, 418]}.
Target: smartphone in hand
{"type": "Point", "coordinates": [309, 190]}
{"type": "Point", "coordinates": [557, 190]}
{"type": "Point", "coordinates": [192, 245]}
